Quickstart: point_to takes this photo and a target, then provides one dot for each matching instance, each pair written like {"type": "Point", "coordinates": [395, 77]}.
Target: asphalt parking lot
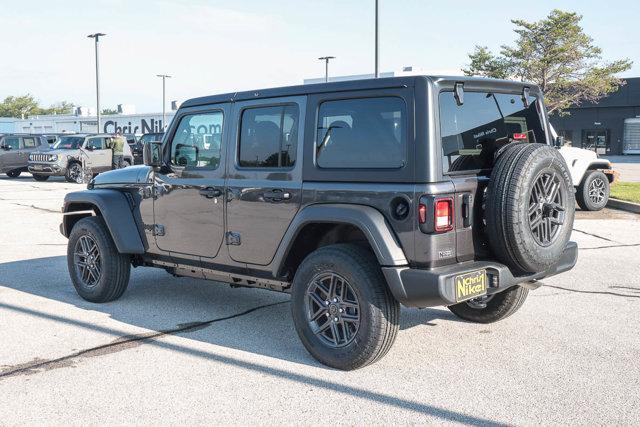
{"type": "Point", "coordinates": [182, 350]}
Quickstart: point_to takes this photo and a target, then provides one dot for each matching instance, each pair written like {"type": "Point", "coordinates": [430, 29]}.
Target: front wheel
{"type": "Point", "coordinates": [74, 173]}
{"type": "Point", "coordinates": [593, 193]}
{"type": "Point", "coordinates": [342, 309]}
{"type": "Point", "coordinates": [98, 271]}
{"type": "Point", "coordinates": [491, 308]}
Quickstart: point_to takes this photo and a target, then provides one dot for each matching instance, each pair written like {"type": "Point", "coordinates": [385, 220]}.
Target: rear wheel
{"type": "Point", "coordinates": [342, 309]}
{"type": "Point", "coordinates": [98, 271]}
{"type": "Point", "coordinates": [40, 178]}
{"type": "Point", "coordinates": [491, 308]}
{"type": "Point", "coordinates": [593, 193]}
{"type": "Point", "coordinates": [14, 174]}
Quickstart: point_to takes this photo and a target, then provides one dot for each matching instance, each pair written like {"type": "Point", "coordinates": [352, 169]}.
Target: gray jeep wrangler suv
{"type": "Point", "coordinates": [355, 197]}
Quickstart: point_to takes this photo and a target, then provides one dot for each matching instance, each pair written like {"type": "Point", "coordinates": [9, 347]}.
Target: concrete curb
{"type": "Point", "coordinates": [625, 206]}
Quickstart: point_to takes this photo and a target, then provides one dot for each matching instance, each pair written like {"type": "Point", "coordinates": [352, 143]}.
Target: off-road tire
{"type": "Point", "coordinates": [67, 174]}
{"type": "Point", "coordinates": [583, 198]}
{"type": "Point", "coordinates": [40, 178]}
{"type": "Point", "coordinates": [115, 267]}
{"type": "Point", "coordinates": [500, 306]}
{"type": "Point", "coordinates": [14, 174]}
{"type": "Point", "coordinates": [379, 311]}
{"type": "Point", "coordinates": [517, 169]}
{"type": "Point", "coordinates": [125, 164]}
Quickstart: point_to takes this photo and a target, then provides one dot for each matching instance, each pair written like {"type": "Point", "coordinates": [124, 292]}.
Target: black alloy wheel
{"type": "Point", "coordinates": [87, 261]}
{"type": "Point", "coordinates": [546, 208]}
{"type": "Point", "coordinates": [333, 310]}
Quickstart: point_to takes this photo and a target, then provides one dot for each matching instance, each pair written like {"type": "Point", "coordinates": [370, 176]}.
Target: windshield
{"type": "Point", "coordinates": [69, 143]}
{"type": "Point", "coordinates": [149, 137]}
{"type": "Point", "coordinates": [473, 131]}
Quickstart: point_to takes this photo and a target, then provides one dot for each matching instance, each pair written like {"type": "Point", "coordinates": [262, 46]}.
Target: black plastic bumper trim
{"type": "Point", "coordinates": [429, 288]}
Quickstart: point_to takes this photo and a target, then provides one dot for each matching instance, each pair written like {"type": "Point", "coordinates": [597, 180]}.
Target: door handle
{"type": "Point", "coordinates": [276, 195]}
{"type": "Point", "coordinates": [210, 192]}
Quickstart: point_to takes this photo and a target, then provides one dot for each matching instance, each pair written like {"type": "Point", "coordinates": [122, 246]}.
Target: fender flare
{"type": "Point", "coordinates": [117, 213]}
{"type": "Point", "coordinates": [369, 220]}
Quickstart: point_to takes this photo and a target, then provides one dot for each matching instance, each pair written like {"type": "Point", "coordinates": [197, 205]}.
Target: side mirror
{"type": "Point", "coordinates": [89, 148]}
{"type": "Point", "coordinates": [559, 141]}
{"type": "Point", "coordinates": [151, 154]}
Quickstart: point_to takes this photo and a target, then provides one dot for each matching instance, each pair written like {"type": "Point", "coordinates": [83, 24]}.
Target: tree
{"type": "Point", "coordinates": [19, 106]}
{"type": "Point", "coordinates": [26, 105]}
{"type": "Point", "coordinates": [62, 107]}
{"type": "Point", "coordinates": [558, 56]}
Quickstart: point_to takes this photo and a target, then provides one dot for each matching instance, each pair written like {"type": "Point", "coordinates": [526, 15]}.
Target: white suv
{"type": "Point", "coordinates": [73, 155]}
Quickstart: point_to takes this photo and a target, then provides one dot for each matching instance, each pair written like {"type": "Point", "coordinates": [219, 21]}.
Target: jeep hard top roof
{"type": "Point", "coordinates": [365, 84]}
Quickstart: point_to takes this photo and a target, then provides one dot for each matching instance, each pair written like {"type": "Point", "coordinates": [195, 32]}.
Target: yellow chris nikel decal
{"type": "Point", "coordinates": [471, 285]}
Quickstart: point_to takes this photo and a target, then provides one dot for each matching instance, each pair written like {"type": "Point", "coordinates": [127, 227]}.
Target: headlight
{"type": "Point", "coordinates": [52, 158]}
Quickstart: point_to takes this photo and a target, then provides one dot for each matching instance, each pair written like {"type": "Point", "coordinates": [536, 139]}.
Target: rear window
{"type": "Point", "coordinates": [472, 132]}
{"type": "Point", "coordinates": [362, 133]}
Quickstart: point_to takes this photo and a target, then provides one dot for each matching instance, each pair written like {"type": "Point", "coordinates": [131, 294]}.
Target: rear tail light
{"type": "Point", "coordinates": [443, 220]}
{"type": "Point", "coordinates": [519, 136]}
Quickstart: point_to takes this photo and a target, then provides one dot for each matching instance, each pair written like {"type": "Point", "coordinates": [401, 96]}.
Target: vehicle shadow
{"type": "Point", "coordinates": [158, 301]}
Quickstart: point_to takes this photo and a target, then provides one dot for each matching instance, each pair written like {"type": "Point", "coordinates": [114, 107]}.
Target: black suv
{"type": "Point", "coordinates": [355, 197]}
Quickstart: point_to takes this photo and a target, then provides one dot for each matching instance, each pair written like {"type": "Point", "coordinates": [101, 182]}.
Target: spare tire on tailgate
{"type": "Point", "coordinates": [529, 208]}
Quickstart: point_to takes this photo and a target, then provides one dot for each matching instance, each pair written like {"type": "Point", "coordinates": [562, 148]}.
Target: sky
{"type": "Point", "coordinates": [211, 46]}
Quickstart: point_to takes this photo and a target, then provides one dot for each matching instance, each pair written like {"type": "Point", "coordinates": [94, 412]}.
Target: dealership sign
{"type": "Point", "coordinates": [137, 126]}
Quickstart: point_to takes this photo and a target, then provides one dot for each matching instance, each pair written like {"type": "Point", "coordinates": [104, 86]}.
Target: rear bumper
{"type": "Point", "coordinates": [428, 288]}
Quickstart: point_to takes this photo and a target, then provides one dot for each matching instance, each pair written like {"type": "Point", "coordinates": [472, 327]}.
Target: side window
{"type": "Point", "coordinates": [197, 141]}
{"type": "Point", "coordinates": [29, 142]}
{"type": "Point", "coordinates": [362, 133]}
{"type": "Point", "coordinates": [268, 137]}
{"type": "Point", "coordinates": [96, 144]}
{"type": "Point", "coordinates": [11, 142]}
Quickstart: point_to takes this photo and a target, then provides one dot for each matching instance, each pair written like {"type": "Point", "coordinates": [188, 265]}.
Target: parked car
{"type": "Point", "coordinates": [71, 152]}
{"type": "Point", "coordinates": [590, 174]}
{"type": "Point", "coordinates": [355, 197]}
{"type": "Point", "coordinates": [15, 150]}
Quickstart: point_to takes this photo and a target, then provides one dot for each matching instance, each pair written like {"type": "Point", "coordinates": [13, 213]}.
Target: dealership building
{"type": "Point", "coordinates": [87, 123]}
{"type": "Point", "coordinates": [610, 127]}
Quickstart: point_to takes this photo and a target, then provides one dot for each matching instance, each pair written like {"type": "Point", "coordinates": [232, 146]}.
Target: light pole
{"type": "Point", "coordinates": [377, 58]}
{"type": "Point", "coordinates": [164, 100]}
{"type": "Point", "coordinates": [96, 38]}
{"type": "Point", "coordinates": [326, 60]}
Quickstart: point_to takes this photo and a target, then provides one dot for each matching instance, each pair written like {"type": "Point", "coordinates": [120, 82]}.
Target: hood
{"type": "Point", "coordinates": [129, 176]}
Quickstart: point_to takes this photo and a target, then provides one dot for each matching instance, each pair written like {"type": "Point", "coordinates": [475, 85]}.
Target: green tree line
{"type": "Point", "coordinates": [26, 105]}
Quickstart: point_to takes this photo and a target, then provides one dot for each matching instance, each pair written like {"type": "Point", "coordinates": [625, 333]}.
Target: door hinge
{"type": "Point", "coordinates": [158, 230]}
{"type": "Point", "coordinates": [233, 238]}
